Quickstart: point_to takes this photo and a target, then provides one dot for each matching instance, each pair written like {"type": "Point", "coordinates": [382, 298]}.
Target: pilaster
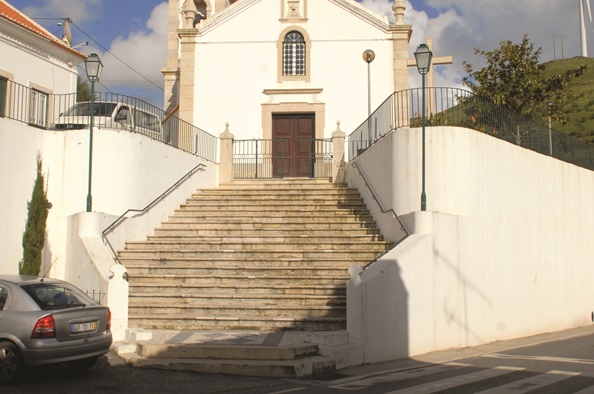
{"type": "Point", "coordinates": [187, 73]}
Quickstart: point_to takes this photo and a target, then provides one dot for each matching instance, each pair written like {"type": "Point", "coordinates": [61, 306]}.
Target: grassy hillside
{"type": "Point", "coordinates": [579, 108]}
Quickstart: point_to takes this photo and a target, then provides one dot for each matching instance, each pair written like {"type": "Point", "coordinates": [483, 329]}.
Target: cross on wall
{"type": "Point", "coordinates": [436, 61]}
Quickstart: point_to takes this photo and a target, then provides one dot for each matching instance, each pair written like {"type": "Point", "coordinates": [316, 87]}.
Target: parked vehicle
{"type": "Point", "coordinates": [116, 115]}
{"type": "Point", "coordinates": [47, 321]}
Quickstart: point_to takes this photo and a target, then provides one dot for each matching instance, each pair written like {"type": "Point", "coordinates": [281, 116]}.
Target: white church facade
{"type": "Point", "coordinates": [272, 68]}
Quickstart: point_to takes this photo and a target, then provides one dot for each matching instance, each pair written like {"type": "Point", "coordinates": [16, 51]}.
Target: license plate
{"type": "Point", "coordinates": [83, 327]}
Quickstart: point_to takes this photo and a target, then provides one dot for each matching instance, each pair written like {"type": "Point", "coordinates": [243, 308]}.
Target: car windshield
{"type": "Point", "coordinates": [57, 295]}
{"type": "Point", "coordinates": [84, 109]}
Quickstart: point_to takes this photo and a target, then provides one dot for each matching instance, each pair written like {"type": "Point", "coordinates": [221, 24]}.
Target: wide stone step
{"type": "Point", "coordinates": [151, 349]}
{"type": "Point", "coordinates": [188, 223]}
{"type": "Point", "coordinates": [311, 366]}
{"type": "Point", "coordinates": [196, 268]}
{"type": "Point", "coordinates": [264, 219]}
{"type": "Point", "coordinates": [267, 225]}
{"type": "Point", "coordinates": [347, 256]}
{"type": "Point", "coordinates": [255, 262]}
{"type": "Point", "coordinates": [167, 322]}
{"type": "Point", "coordinates": [373, 233]}
{"type": "Point", "coordinates": [159, 297]}
{"type": "Point", "coordinates": [275, 193]}
{"type": "Point", "coordinates": [267, 280]}
{"type": "Point", "coordinates": [279, 202]}
{"type": "Point", "coordinates": [220, 289]}
{"type": "Point", "coordinates": [255, 245]}
{"type": "Point", "coordinates": [201, 210]}
{"type": "Point", "coordinates": [268, 311]}
{"type": "Point", "coordinates": [266, 238]}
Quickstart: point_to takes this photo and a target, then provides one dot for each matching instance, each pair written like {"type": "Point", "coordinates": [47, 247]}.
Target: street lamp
{"type": "Point", "coordinates": [93, 67]}
{"type": "Point", "coordinates": [369, 56]}
{"type": "Point", "coordinates": [423, 55]}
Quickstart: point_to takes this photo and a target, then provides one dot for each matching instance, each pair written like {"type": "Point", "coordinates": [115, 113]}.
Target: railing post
{"type": "Point", "coordinates": [338, 154]}
{"type": "Point", "coordinates": [226, 164]}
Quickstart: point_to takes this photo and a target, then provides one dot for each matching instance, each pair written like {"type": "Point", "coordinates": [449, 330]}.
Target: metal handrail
{"type": "Point", "coordinates": [462, 108]}
{"type": "Point", "coordinates": [71, 111]}
{"type": "Point", "coordinates": [122, 217]}
{"type": "Point", "coordinates": [380, 205]}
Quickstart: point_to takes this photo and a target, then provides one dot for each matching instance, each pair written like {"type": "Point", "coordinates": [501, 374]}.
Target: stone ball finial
{"type": "Point", "coordinates": [398, 7]}
{"type": "Point", "coordinates": [189, 10]}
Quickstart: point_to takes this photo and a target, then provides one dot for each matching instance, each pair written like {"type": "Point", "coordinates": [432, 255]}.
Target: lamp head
{"type": "Point", "coordinates": [93, 67]}
{"type": "Point", "coordinates": [423, 55]}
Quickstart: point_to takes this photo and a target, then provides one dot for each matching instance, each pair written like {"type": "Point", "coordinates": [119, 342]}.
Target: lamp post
{"type": "Point", "coordinates": [369, 56]}
{"type": "Point", "coordinates": [423, 57]}
{"type": "Point", "coordinates": [93, 67]}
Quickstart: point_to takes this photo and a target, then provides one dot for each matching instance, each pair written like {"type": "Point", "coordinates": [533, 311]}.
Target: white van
{"type": "Point", "coordinates": [115, 115]}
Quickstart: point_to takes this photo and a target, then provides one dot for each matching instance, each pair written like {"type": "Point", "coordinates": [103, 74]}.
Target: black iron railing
{"type": "Point", "coordinates": [70, 112]}
{"type": "Point", "coordinates": [275, 158]}
{"type": "Point", "coordinates": [458, 107]}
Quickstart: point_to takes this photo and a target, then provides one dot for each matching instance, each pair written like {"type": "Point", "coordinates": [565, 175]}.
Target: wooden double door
{"type": "Point", "coordinates": [292, 145]}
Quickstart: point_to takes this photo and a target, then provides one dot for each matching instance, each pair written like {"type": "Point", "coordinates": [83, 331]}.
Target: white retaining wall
{"type": "Point", "coordinates": [504, 251]}
{"type": "Point", "coordinates": [129, 172]}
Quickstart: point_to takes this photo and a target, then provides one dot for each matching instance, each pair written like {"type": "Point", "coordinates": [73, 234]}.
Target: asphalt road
{"type": "Point", "coordinates": [556, 363]}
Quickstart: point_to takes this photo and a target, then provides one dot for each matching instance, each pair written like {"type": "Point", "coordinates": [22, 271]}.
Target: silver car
{"type": "Point", "coordinates": [47, 321]}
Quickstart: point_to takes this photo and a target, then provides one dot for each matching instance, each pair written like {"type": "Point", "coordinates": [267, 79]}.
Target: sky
{"type": "Point", "coordinates": [135, 32]}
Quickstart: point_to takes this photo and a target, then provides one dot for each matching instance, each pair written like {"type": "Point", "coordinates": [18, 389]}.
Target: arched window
{"type": "Point", "coordinates": [294, 54]}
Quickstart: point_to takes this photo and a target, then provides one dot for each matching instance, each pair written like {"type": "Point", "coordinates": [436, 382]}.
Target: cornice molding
{"type": "Point", "coordinates": [225, 15]}
{"type": "Point", "coordinates": [270, 92]}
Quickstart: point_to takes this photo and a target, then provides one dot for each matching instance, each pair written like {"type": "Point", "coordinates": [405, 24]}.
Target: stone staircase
{"type": "Point", "coordinates": [257, 256]}
{"type": "Point", "coordinates": [266, 255]}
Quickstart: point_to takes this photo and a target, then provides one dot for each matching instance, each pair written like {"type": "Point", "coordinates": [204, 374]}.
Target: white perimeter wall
{"type": "Point", "coordinates": [129, 171]}
{"type": "Point", "coordinates": [504, 251]}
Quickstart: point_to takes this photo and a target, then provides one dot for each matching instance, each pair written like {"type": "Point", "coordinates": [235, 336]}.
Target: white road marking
{"type": "Point", "coordinates": [539, 358]}
{"type": "Point", "coordinates": [290, 390]}
{"type": "Point", "coordinates": [359, 382]}
{"type": "Point", "coordinates": [529, 384]}
{"type": "Point", "coordinates": [456, 381]}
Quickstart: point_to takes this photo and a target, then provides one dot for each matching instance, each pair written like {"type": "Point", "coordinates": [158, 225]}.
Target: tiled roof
{"type": "Point", "coordinates": [13, 15]}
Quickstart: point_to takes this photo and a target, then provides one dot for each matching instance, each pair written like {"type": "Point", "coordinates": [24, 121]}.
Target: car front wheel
{"type": "Point", "coordinates": [11, 362]}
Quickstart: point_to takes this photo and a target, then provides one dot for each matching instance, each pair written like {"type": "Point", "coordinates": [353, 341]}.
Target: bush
{"type": "Point", "coordinates": [34, 235]}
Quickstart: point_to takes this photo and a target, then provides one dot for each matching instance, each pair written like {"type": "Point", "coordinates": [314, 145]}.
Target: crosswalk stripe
{"type": "Point", "coordinates": [357, 383]}
{"type": "Point", "coordinates": [539, 358]}
{"type": "Point", "coordinates": [472, 377]}
{"type": "Point", "coordinates": [529, 384]}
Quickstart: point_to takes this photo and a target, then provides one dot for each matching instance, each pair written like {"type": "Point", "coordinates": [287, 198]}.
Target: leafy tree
{"type": "Point", "coordinates": [83, 90]}
{"type": "Point", "coordinates": [34, 235]}
{"type": "Point", "coordinates": [514, 78]}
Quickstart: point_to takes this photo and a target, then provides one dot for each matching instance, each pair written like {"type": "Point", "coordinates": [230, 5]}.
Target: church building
{"type": "Point", "coordinates": [282, 68]}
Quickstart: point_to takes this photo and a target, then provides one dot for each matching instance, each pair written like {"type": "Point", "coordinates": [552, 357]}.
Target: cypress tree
{"type": "Point", "coordinates": [34, 235]}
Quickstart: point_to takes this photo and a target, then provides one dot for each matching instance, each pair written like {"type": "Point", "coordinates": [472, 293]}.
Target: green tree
{"type": "Point", "coordinates": [514, 78]}
{"type": "Point", "coordinates": [34, 235]}
{"type": "Point", "coordinates": [83, 90]}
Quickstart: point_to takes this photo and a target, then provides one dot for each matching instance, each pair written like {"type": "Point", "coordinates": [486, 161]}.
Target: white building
{"type": "Point", "coordinates": [34, 67]}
